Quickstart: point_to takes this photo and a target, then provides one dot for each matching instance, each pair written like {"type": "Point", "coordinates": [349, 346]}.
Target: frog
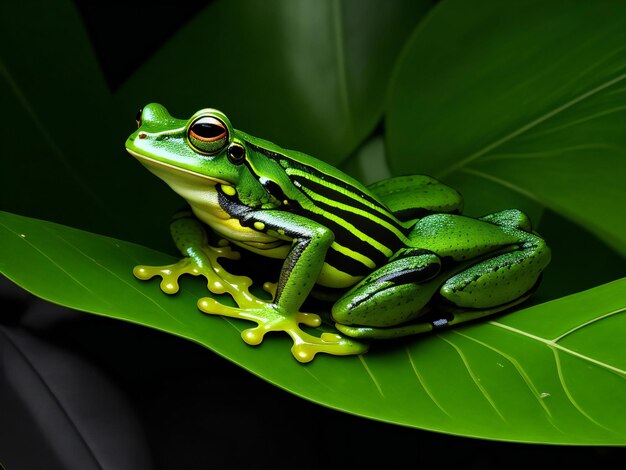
{"type": "Point", "coordinates": [392, 259]}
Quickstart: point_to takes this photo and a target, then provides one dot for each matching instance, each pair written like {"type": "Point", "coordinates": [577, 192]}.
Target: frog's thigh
{"type": "Point", "coordinates": [413, 196]}
{"type": "Point", "coordinates": [393, 294]}
{"type": "Point", "coordinates": [499, 280]}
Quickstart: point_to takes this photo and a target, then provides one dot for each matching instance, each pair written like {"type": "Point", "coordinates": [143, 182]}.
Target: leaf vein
{"type": "Point", "coordinates": [503, 182]}
{"type": "Point", "coordinates": [583, 120]}
{"type": "Point", "coordinates": [520, 370]}
{"type": "Point", "coordinates": [341, 61]}
{"type": "Point", "coordinates": [569, 395]}
{"type": "Point", "coordinates": [593, 320]}
{"type": "Point", "coordinates": [114, 274]}
{"type": "Point", "coordinates": [52, 261]}
{"type": "Point", "coordinates": [423, 383]}
{"type": "Point", "coordinates": [369, 372]}
{"type": "Point", "coordinates": [474, 377]}
{"type": "Point", "coordinates": [547, 153]}
{"type": "Point", "coordinates": [552, 344]}
{"type": "Point", "coordinates": [56, 150]}
{"type": "Point", "coordinates": [488, 148]}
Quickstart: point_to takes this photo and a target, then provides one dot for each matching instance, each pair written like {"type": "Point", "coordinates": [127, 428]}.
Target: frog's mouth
{"type": "Point", "coordinates": [170, 173]}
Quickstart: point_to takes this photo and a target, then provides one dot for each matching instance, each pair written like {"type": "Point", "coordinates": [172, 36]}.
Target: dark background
{"type": "Point", "coordinates": [80, 391]}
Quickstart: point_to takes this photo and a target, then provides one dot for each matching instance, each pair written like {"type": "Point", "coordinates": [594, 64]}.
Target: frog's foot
{"type": "Point", "coordinates": [169, 273]}
{"type": "Point", "coordinates": [203, 263]}
{"type": "Point", "coordinates": [269, 318]}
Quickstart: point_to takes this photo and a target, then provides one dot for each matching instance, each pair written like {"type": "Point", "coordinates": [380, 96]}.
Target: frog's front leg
{"type": "Point", "coordinates": [200, 258]}
{"type": "Point", "coordinates": [301, 268]}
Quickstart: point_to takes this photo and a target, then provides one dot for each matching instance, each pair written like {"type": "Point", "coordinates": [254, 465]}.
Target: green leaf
{"type": "Point", "coordinates": [369, 163]}
{"type": "Point", "coordinates": [552, 373]}
{"type": "Point", "coordinates": [52, 96]}
{"type": "Point", "coordinates": [529, 96]}
{"type": "Point", "coordinates": [565, 274]}
{"type": "Point", "coordinates": [307, 75]}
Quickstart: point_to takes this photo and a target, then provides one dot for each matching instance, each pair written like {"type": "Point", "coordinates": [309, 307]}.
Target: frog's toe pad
{"type": "Point", "coordinates": [252, 336]}
{"type": "Point", "coordinates": [169, 276]}
{"type": "Point", "coordinates": [305, 346]}
{"type": "Point", "coordinates": [309, 319]}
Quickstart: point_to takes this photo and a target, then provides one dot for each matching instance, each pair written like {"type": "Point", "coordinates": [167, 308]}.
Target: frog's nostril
{"type": "Point", "coordinates": [138, 117]}
{"type": "Point", "coordinates": [142, 135]}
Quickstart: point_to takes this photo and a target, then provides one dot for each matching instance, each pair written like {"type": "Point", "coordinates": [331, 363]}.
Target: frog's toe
{"type": "Point", "coordinates": [169, 275]}
{"type": "Point", "coordinates": [305, 346]}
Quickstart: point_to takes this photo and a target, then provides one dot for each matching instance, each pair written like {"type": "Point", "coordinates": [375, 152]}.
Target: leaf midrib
{"type": "Point", "coordinates": [47, 137]}
{"type": "Point", "coordinates": [342, 77]}
{"type": "Point", "coordinates": [488, 148]}
{"type": "Point", "coordinates": [553, 344]}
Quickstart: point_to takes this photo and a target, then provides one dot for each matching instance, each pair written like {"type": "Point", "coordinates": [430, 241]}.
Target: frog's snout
{"type": "Point", "coordinates": [151, 115]}
{"type": "Point", "coordinates": [155, 112]}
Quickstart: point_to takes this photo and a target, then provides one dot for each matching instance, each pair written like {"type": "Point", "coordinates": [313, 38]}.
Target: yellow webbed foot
{"type": "Point", "coordinates": [265, 314]}
{"type": "Point", "coordinates": [269, 318]}
{"type": "Point", "coordinates": [219, 281]}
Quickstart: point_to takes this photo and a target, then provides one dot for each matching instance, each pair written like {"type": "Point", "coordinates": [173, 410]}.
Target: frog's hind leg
{"type": "Point", "coordinates": [499, 282]}
{"type": "Point", "coordinates": [393, 294]}
{"type": "Point", "coordinates": [415, 196]}
{"type": "Point", "coordinates": [447, 314]}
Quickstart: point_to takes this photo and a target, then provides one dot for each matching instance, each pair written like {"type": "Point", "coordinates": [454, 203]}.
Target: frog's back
{"type": "Point", "coordinates": [366, 232]}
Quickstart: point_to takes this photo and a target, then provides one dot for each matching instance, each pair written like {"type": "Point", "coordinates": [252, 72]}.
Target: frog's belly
{"type": "Point", "coordinates": [231, 229]}
{"type": "Point", "coordinates": [266, 245]}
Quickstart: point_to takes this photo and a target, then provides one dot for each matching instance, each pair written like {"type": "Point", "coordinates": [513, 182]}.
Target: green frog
{"type": "Point", "coordinates": [395, 258]}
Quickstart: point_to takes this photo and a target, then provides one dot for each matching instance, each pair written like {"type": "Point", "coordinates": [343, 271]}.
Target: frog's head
{"type": "Point", "coordinates": [190, 155]}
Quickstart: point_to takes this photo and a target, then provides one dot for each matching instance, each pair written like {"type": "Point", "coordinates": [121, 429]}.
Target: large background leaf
{"type": "Point", "coordinates": [310, 75]}
{"type": "Point", "coordinates": [552, 373]}
{"type": "Point", "coordinates": [527, 96]}
{"type": "Point", "coordinates": [307, 75]}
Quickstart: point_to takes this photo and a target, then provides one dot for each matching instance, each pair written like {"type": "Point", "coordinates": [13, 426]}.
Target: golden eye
{"type": "Point", "coordinates": [208, 134]}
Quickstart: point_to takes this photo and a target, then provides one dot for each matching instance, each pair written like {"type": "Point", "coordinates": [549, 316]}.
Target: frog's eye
{"type": "Point", "coordinates": [138, 117]}
{"type": "Point", "coordinates": [208, 134]}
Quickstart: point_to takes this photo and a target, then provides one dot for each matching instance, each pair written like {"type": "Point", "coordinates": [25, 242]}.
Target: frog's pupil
{"type": "Point", "coordinates": [207, 130]}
